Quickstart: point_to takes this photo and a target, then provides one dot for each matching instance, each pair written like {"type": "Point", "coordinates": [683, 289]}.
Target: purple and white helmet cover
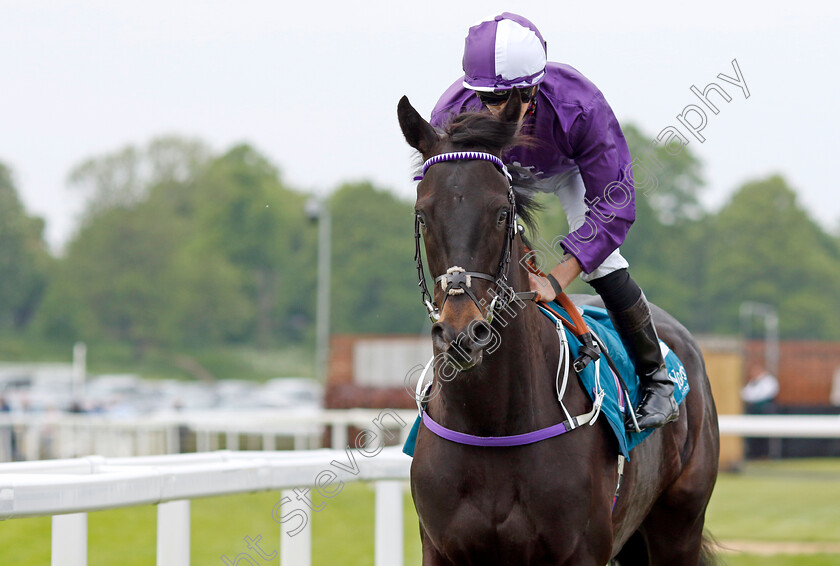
{"type": "Point", "coordinates": [504, 52]}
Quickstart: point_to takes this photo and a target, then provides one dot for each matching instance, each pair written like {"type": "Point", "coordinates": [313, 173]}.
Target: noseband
{"type": "Point", "coordinates": [457, 280]}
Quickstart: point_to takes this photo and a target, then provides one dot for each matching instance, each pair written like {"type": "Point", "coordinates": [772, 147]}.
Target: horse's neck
{"type": "Point", "coordinates": [510, 391]}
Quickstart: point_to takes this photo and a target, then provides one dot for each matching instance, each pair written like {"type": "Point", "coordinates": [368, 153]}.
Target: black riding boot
{"type": "Point", "coordinates": [658, 406]}
{"type": "Point", "coordinates": [630, 313]}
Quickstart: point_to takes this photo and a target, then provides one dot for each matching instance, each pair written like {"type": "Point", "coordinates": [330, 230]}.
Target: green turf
{"type": "Point", "coordinates": [343, 530]}
{"type": "Point", "coordinates": [222, 362]}
{"type": "Point", "coordinates": [784, 560]}
{"type": "Point", "coordinates": [794, 500]}
{"type": "Point", "coordinates": [25, 542]}
{"type": "Point", "coordinates": [778, 501]}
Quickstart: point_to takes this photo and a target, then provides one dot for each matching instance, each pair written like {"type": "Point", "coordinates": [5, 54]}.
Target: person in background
{"type": "Point", "coordinates": [759, 396]}
{"type": "Point", "coordinates": [760, 391]}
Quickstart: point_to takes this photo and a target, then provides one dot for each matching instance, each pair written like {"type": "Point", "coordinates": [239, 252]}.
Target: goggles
{"type": "Point", "coordinates": [498, 97]}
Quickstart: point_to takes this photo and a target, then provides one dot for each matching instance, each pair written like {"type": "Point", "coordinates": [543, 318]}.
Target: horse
{"type": "Point", "coordinates": [550, 502]}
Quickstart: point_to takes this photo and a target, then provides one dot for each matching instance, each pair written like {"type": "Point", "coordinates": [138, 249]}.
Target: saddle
{"type": "Point", "coordinates": [616, 380]}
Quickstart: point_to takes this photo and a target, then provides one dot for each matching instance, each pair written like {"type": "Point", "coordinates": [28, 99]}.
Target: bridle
{"type": "Point", "coordinates": [457, 280]}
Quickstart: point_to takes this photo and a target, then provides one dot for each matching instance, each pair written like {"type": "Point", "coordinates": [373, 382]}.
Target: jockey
{"type": "Point", "coordinates": [581, 156]}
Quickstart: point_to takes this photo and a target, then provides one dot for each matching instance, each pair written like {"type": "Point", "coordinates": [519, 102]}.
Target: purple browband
{"type": "Point", "coordinates": [515, 440]}
{"type": "Point", "coordinates": [457, 155]}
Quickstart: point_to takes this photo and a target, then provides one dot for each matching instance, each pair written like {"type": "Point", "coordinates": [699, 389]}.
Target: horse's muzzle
{"type": "Point", "coordinates": [464, 346]}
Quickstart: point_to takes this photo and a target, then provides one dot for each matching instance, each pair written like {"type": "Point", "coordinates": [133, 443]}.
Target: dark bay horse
{"type": "Point", "coordinates": [548, 502]}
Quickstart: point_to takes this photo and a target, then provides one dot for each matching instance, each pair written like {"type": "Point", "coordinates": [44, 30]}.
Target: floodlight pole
{"type": "Point", "coordinates": [79, 370]}
{"type": "Point", "coordinates": [750, 309]}
{"type": "Point", "coordinates": [318, 210]}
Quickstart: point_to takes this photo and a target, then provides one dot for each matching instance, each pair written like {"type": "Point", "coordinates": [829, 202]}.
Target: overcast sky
{"type": "Point", "coordinates": [314, 85]}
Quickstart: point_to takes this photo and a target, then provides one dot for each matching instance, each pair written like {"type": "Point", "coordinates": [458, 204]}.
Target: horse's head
{"type": "Point", "coordinates": [466, 215]}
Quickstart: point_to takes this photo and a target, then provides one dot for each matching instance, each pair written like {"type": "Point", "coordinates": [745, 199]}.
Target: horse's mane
{"type": "Point", "coordinates": [482, 131]}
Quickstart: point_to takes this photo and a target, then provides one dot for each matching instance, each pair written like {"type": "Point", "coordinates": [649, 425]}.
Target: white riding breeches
{"type": "Point", "coordinates": [570, 189]}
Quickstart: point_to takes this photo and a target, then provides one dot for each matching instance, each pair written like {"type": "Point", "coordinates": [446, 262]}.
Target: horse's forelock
{"type": "Point", "coordinates": [480, 130]}
{"type": "Point", "coordinates": [475, 130]}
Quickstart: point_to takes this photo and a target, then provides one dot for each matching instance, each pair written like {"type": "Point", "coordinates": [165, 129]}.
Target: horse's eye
{"type": "Point", "coordinates": [420, 219]}
{"type": "Point", "coordinates": [502, 217]}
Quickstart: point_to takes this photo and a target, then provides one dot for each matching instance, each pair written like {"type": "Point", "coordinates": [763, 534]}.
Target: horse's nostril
{"type": "Point", "coordinates": [439, 336]}
{"type": "Point", "coordinates": [464, 345]}
{"type": "Point", "coordinates": [481, 333]}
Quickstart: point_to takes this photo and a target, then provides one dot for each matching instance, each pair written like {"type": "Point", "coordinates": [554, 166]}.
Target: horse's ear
{"type": "Point", "coordinates": [512, 109]}
{"type": "Point", "coordinates": [418, 132]}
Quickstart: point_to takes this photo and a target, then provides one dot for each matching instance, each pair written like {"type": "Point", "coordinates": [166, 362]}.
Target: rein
{"type": "Point", "coordinates": [457, 280]}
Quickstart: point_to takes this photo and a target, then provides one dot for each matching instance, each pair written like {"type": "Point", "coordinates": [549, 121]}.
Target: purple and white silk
{"type": "Point", "coordinates": [575, 130]}
{"type": "Point", "coordinates": [504, 52]}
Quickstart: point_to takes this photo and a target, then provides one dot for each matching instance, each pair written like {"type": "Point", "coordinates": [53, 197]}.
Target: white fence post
{"type": "Point", "coordinates": [173, 439]}
{"type": "Point", "coordinates": [231, 440]}
{"type": "Point", "coordinates": [389, 523]}
{"type": "Point", "coordinates": [143, 442]}
{"type": "Point", "coordinates": [69, 540]}
{"type": "Point", "coordinates": [202, 440]}
{"type": "Point", "coordinates": [32, 445]}
{"type": "Point", "coordinates": [173, 533]}
{"type": "Point", "coordinates": [6, 443]}
{"type": "Point", "coordinates": [296, 538]}
{"type": "Point", "coordinates": [338, 437]}
{"type": "Point", "coordinates": [269, 441]}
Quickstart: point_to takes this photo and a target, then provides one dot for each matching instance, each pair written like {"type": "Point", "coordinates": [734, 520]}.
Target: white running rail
{"type": "Point", "coordinates": [68, 489]}
{"type": "Point", "coordinates": [61, 435]}
{"type": "Point", "coordinates": [69, 436]}
{"type": "Point", "coordinates": [780, 426]}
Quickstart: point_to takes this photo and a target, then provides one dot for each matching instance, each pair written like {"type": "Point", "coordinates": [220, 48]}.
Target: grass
{"type": "Point", "coordinates": [222, 362]}
{"type": "Point", "coordinates": [778, 501]}
{"type": "Point", "coordinates": [20, 348]}
{"type": "Point", "coordinates": [767, 501]}
{"type": "Point", "coordinates": [784, 560]}
{"type": "Point", "coordinates": [342, 532]}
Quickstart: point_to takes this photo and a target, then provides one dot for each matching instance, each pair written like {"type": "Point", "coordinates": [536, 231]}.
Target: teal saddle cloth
{"type": "Point", "coordinates": [615, 402]}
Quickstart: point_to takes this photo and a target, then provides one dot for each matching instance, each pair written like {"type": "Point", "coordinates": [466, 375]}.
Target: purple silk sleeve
{"type": "Point", "coordinates": [575, 127]}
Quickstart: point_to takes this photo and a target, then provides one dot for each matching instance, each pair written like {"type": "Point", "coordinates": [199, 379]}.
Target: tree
{"type": "Point", "coordinates": [766, 248]}
{"type": "Point", "coordinates": [374, 286]}
{"type": "Point", "coordinates": [121, 269]}
{"type": "Point", "coordinates": [124, 178]}
{"type": "Point", "coordinates": [664, 245]}
{"type": "Point", "coordinates": [137, 271]}
{"type": "Point", "coordinates": [668, 182]}
{"type": "Point", "coordinates": [245, 213]}
{"type": "Point", "coordinates": [24, 259]}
